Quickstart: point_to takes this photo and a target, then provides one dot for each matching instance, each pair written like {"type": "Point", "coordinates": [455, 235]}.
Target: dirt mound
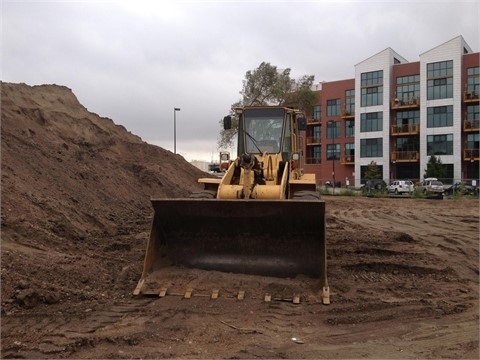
{"type": "Point", "coordinates": [73, 180]}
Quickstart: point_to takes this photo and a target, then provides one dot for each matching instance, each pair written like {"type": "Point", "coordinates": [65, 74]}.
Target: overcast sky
{"type": "Point", "coordinates": [135, 61]}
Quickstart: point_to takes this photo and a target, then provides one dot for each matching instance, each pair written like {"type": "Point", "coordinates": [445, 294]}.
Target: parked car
{"type": "Point", "coordinates": [431, 187]}
{"type": "Point", "coordinates": [377, 184]}
{"type": "Point", "coordinates": [401, 187]}
{"type": "Point", "coordinates": [461, 188]}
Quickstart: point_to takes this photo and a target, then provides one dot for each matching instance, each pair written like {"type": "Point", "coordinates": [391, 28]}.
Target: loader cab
{"type": "Point", "coordinates": [263, 129]}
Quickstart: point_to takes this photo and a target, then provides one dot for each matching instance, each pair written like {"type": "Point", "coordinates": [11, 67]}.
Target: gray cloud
{"type": "Point", "coordinates": [134, 61]}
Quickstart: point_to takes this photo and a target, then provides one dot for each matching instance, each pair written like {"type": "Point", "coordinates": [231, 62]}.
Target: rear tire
{"type": "Point", "coordinates": [204, 194]}
{"type": "Point", "coordinates": [306, 195]}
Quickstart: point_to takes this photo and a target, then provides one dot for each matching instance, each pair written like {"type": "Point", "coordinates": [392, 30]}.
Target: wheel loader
{"type": "Point", "coordinates": [263, 217]}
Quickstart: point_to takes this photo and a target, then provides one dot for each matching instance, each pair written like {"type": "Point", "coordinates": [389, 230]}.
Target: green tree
{"type": "Point", "coordinates": [267, 85]}
{"type": "Point", "coordinates": [373, 171]}
{"type": "Point", "coordinates": [226, 137]}
{"type": "Point", "coordinates": [434, 168]}
{"type": "Point", "coordinates": [301, 95]}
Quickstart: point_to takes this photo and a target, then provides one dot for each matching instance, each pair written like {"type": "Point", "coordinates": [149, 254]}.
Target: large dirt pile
{"type": "Point", "coordinates": [71, 182]}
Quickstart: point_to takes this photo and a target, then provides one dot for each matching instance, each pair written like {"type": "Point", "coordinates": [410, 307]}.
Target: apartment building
{"type": "Point", "coordinates": [398, 114]}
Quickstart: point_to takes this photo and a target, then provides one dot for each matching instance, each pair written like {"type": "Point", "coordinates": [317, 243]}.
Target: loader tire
{"type": "Point", "coordinates": [204, 194]}
{"type": "Point", "coordinates": [306, 195]}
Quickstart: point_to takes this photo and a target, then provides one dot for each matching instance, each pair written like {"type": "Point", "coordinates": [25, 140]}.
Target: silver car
{"type": "Point", "coordinates": [401, 187]}
{"type": "Point", "coordinates": [431, 186]}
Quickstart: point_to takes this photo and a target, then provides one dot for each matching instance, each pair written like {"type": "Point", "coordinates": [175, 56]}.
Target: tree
{"type": "Point", "coordinates": [373, 171]}
{"type": "Point", "coordinates": [301, 95]}
{"type": "Point", "coordinates": [434, 168]}
{"type": "Point", "coordinates": [226, 137]}
{"type": "Point", "coordinates": [267, 85]}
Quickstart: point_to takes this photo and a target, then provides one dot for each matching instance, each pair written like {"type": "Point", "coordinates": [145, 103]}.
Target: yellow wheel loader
{"type": "Point", "coordinates": [264, 217]}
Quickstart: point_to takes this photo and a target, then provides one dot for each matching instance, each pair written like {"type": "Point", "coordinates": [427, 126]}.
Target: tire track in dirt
{"type": "Point", "coordinates": [61, 333]}
{"type": "Point", "coordinates": [394, 258]}
{"type": "Point", "coordinates": [437, 234]}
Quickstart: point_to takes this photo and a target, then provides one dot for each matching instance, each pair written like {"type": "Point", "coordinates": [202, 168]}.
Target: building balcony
{"type": "Point", "coordinates": [411, 103]}
{"type": "Point", "coordinates": [405, 156]}
{"type": "Point", "coordinates": [471, 154]}
{"type": "Point", "coordinates": [314, 140]}
{"type": "Point", "coordinates": [347, 114]}
{"type": "Point", "coordinates": [407, 129]}
{"type": "Point", "coordinates": [471, 97]}
{"type": "Point", "coordinates": [347, 159]}
{"type": "Point", "coordinates": [471, 125]}
{"type": "Point", "coordinates": [313, 161]}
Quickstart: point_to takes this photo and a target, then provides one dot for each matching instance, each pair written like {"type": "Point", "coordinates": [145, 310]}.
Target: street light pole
{"type": "Point", "coordinates": [175, 129]}
{"type": "Point", "coordinates": [471, 169]}
{"type": "Point", "coordinates": [332, 124]}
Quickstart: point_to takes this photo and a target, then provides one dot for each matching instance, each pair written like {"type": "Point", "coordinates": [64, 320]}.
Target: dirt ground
{"type": "Point", "coordinates": [403, 272]}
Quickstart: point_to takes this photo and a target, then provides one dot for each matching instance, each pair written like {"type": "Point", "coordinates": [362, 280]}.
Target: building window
{"type": "Point", "coordinates": [333, 129]}
{"type": "Point", "coordinates": [315, 155]}
{"type": "Point", "coordinates": [408, 117]}
{"type": "Point", "coordinates": [440, 144]}
{"type": "Point", "coordinates": [349, 128]}
{"type": "Point", "coordinates": [473, 141]}
{"type": "Point", "coordinates": [372, 78]}
{"type": "Point", "coordinates": [371, 147]}
{"type": "Point", "coordinates": [333, 107]}
{"type": "Point", "coordinates": [372, 88]}
{"type": "Point", "coordinates": [363, 172]}
{"type": "Point", "coordinates": [317, 113]}
{"type": "Point", "coordinates": [449, 175]}
{"type": "Point", "coordinates": [371, 122]}
{"type": "Point", "coordinates": [316, 134]}
{"type": "Point", "coordinates": [408, 88]}
{"type": "Point", "coordinates": [408, 144]}
{"type": "Point", "coordinates": [473, 112]}
{"type": "Point", "coordinates": [440, 80]}
{"type": "Point", "coordinates": [350, 102]}
{"type": "Point", "coordinates": [333, 151]}
{"type": "Point", "coordinates": [350, 149]}
{"type": "Point", "coordinates": [473, 82]}
{"type": "Point", "coordinates": [439, 116]}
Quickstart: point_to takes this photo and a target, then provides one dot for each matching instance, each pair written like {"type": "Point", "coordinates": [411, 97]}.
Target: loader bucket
{"type": "Point", "coordinates": [274, 238]}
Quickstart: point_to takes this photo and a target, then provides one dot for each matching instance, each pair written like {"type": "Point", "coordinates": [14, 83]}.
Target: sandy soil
{"type": "Point", "coordinates": [403, 273]}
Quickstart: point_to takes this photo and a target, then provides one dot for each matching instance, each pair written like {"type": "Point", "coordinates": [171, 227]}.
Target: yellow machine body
{"type": "Point", "coordinates": [263, 217]}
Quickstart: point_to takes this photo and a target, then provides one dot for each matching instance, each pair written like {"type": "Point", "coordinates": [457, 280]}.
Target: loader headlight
{"type": "Point", "coordinates": [295, 156]}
